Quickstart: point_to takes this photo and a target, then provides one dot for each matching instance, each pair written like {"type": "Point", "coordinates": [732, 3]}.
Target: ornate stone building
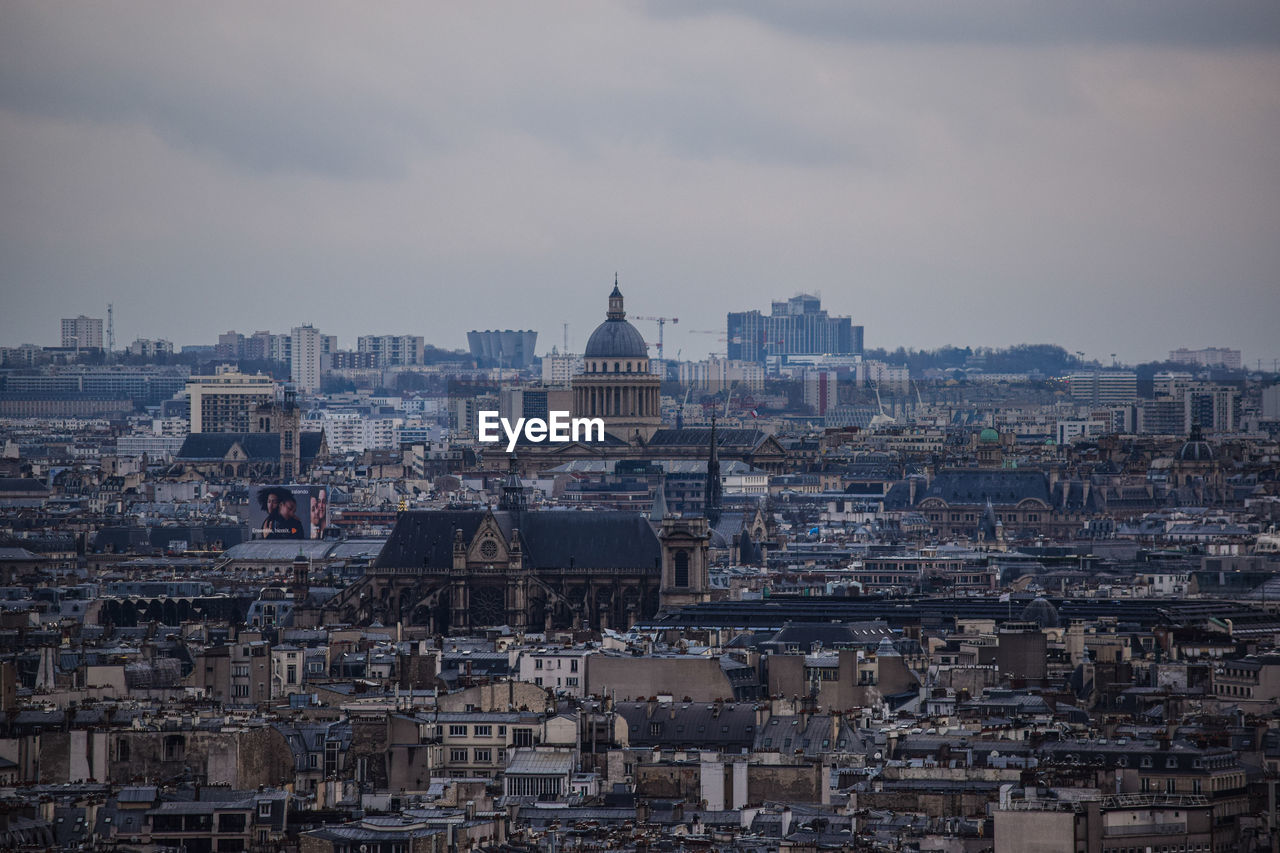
{"type": "Point", "coordinates": [617, 384]}
{"type": "Point", "coordinates": [455, 571]}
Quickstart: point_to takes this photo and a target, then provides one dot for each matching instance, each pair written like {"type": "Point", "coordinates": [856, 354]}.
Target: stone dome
{"type": "Point", "coordinates": [615, 337]}
{"type": "Point", "coordinates": [1041, 612]}
{"type": "Point", "coordinates": [1196, 449]}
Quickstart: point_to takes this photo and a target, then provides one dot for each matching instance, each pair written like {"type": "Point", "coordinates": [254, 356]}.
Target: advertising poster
{"type": "Point", "coordinates": [289, 512]}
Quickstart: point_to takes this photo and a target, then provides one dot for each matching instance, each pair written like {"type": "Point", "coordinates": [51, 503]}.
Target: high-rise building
{"type": "Point", "coordinates": [231, 345]}
{"type": "Point", "coordinates": [559, 368]}
{"type": "Point", "coordinates": [82, 332]}
{"type": "Point", "coordinates": [1271, 403]}
{"type": "Point", "coordinates": [796, 326]}
{"type": "Point", "coordinates": [717, 374]}
{"type": "Point", "coordinates": [307, 348]}
{"type": "Point", "coordinates": [1103, 387]}
{"type": "Point", "coordinates": [1208, 357]}
{"type": "Point", "coordinates": [224, 401]}
{"type": "Point", "coordinates": [493, 348]}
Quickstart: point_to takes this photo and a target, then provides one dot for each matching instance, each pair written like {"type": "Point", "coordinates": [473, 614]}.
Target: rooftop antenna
{"type": "Point", "coordinates": [111, 330]}
{"type": "Point", "coordinates": [566, 338]}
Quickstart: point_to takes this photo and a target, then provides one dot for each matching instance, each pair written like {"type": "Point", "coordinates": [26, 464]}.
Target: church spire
{"type": "Point", "coordinates": [711, 493]}
{"type": "Point", "coordinates": [512, 497]}
{"type": "Point", "coordinates": [659, 509]}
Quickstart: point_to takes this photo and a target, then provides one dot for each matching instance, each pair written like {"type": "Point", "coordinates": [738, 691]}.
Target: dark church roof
{"type": "Point", "coordinates": [701, 437]}
{"type": "Point", "coordinates": [551, 540]}
{"type": "Point", "coordinates": [256, 445]}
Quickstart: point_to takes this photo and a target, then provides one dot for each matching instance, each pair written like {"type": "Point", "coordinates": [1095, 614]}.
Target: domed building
{"type": "Point", "coordinates": [989, 450]}
{"type": "Point", "coordinates": [617, 384]}
{"type": "Point", "coordinates": [1195, 473]}
{"type": "Point", "coordinates": [1042, 612]}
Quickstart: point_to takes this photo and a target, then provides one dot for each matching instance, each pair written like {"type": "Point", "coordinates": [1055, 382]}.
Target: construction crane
{"type": "Point", "coordinates": [719, 337]}
{"type": "Point", "coordinates": [662, 322]}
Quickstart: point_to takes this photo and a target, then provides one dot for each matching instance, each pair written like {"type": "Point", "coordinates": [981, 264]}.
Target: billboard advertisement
{"type": "Point", "coordinates": [289, 512]}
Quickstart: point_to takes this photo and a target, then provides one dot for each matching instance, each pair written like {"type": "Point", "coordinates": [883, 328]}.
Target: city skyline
{"type": "Point", "coordinates": [1088, 176]}
{"type": "Point", "coordinates": [549, 344]}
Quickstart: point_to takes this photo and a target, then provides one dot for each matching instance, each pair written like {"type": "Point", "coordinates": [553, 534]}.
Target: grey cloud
{"type": "Point", "coordinates": [208, 89]}
{"type": "Point", "coordinates": [1224, 23]}
{"type": "Point", "coordinates": [951, 176]}
{"type": "Point", "coordinates": [267, 106]}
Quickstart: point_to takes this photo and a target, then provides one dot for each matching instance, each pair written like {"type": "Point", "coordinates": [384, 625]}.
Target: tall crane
{"type": "Point", "coordinates": [721, 338]}
{"type": "Point", "coordinates": [111, 330]}
{"type": "Point", "coordinates": [662, 322]}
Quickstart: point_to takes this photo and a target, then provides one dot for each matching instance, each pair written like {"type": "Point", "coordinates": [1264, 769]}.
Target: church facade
{"type": "Point", "coordinates": [457, 571]}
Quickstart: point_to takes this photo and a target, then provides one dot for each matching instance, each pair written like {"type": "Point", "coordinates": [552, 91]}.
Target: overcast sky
{"type": "Point", "coordinates": [1097, 174]}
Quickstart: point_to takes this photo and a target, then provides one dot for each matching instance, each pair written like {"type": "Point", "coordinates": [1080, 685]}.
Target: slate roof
{"type": "Point", "coordinates": [550, 540]}
{"type": "Point", "coordinates": [22, 486]}
{"type": "Point", "coordinates": [830, 635]}
{"type": "Point", "coordinates": [819, 735]}
{"type": "Point", "coordinates": [960, 486]}
{"type": "Point", "coordinates": [263, 446]}
{"type": "Point", "coordinates": [540, 762]}
{"type": "Point", "coordinates": [121, 539]}
{"type": "Point", "coordinates": [1000, 486]}
{"type": "Point", "coordinates": [709, 725]}
{"type": "Point", "coordinates": [701, 437]}
{"type": "Point", "coordinates": [227, 534]}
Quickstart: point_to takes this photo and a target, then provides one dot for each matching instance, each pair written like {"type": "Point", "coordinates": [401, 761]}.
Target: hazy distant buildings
{"type": "Point", "coordinates": [222, 402]}
{"type": "Point", "coordinates": [716, 374]}
{"type": "Point", "coordinates": [260, 346]}
{"type": "Point", "coordinates": [1179, 404]}
{"type": "Point", "coordinates": [147, 348]}
{"type": "Point", "coordinates": [1271, 403]}
{"type": "Point", "coordinates": [1208, 357]}
{"type": "Point", "coordinates": [391, 350]}
{"type": "Point", "coordinates": [493, 348]}
{"type": "Point", "coordinates": [1103, 387]}
{"type": "Point", "coordinates": [797, 326]}
{"type": "Point", "coordinates": [878, 374]}
{"type": "Point", "coordinates": [1162, 416]}
{"type": "Point", "coordinates": [558, 368]}
{"type": "Point", "coordinates": [82, 332]}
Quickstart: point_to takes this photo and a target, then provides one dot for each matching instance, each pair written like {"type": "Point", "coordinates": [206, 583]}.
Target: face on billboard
{"type": "Point", "coordinates": [289, 512]}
